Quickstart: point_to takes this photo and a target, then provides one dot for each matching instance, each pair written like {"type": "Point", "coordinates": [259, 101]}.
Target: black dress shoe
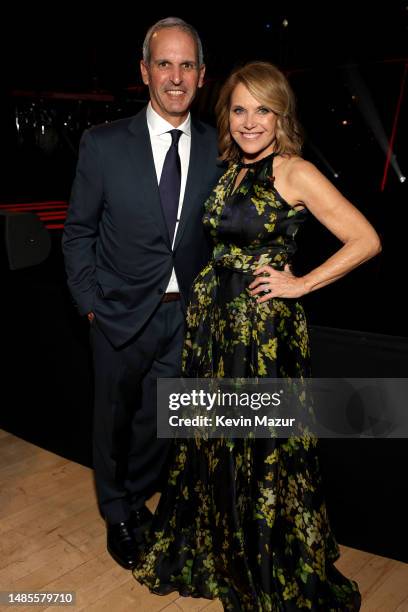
{"type": "Point", "coordinates": [140, 521]}
{"type": "Point", "coordinates": [122, 545]}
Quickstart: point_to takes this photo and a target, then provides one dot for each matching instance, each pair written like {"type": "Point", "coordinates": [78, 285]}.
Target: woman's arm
{"type": "Point", "coordinates": [360, 240]}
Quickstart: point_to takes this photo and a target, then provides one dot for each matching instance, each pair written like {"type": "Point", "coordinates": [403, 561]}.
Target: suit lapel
{"type": "Point", "coordinates": [198, 158]}
{"type": "Point", "coordinates": [140, 149]}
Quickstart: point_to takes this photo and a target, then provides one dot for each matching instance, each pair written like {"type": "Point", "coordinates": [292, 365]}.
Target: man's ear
{"type": "Point", "coordinates": [145, 72]}
{"type": "Point", "coordinates": [201, 73]}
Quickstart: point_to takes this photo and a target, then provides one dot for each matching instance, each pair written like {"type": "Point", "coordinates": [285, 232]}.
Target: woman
{"type": "Point", "coordinates": [245, 520]}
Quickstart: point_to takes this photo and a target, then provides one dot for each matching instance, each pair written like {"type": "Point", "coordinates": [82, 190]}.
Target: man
{"type": "Point", "coordinates": [133, 243]}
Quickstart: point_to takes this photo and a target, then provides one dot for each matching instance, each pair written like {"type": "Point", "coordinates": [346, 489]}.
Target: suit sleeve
{"type": "Point", "coordinates": [81, 226]}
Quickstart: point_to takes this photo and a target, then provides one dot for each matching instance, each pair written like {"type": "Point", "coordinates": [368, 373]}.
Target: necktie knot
{"type": "Point", "coordinates": [175, 137]}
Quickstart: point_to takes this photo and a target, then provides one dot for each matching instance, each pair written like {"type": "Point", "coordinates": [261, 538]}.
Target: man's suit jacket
{"type": "Point", "coordinates": [117, 250]}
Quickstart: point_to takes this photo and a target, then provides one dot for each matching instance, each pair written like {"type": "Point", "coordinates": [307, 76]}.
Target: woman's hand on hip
{"type": "Point", "coordinates": [271, 283]}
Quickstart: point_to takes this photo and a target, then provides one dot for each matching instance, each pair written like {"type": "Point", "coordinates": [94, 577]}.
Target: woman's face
{"type": "Point", "coordinates": [252, 124]}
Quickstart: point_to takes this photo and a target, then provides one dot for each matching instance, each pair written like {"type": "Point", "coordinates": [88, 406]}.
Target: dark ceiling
{"type": "Point", "coordinates": [65, 49]}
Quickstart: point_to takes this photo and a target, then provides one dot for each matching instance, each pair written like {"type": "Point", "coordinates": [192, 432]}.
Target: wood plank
{"type": "Point", "coordinates": [130, 596]}
{"type": "Point", "coordinates": [32, 489]}
{"type": "Point", "coordinates": [53, 539]}
{"type": "Point", "coordinates": [4, 434]}
{"type": "Point", "coordinates": [352, 562]}
{"type": "Point", "coordinates": [34, 536]}
{"type": "Point", "coordinates": [36, 463]}
{"type": "Point", "coordinates": [384, 586]}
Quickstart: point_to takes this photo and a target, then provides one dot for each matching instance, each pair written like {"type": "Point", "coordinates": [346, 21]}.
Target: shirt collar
{"type": "Point", "coordinates": [159, 126]}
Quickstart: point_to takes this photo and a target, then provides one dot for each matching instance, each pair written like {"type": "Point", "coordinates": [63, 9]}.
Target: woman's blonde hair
{"type": "Point", "coordinates": [270, 86]}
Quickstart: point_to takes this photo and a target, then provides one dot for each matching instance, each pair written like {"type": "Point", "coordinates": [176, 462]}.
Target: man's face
{"type": "Point", "coordinates": [173, 74]}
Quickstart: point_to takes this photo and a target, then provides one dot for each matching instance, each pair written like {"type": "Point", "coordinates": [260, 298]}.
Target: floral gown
{"type": "Point", "coordinates": [244, 520]}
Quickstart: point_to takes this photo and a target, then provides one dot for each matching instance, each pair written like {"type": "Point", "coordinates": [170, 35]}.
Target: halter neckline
{"type": "Point", "coordinates": [241, 164]}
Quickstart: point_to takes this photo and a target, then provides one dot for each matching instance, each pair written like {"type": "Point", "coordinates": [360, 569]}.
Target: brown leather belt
{"type": "Point", "coordinates": [170, 297]}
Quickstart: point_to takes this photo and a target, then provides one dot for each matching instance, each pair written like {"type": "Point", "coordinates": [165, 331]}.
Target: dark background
{"type": "Point", "coordinates": [345, 62]}
{"type": "Point", "coordinates": [67, 68]}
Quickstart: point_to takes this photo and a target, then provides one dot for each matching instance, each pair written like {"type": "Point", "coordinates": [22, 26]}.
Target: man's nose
{"type": "Point", "coordinates": [176, 75]}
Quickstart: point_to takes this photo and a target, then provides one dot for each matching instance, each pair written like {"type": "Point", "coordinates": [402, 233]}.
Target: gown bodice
{"type": "Point", "coordinates": [252, 225]}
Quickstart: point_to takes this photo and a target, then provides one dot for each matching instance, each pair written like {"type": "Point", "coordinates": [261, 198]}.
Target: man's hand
{"type": "Point", "coordinates": [90, 316]}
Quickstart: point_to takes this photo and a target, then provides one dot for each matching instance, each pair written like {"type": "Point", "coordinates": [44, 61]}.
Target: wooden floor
{"type": "Point", "coordinates": [53, 539]}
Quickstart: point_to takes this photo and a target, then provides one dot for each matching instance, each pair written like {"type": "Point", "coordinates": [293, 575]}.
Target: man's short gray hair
{"type": "Point", "coordinates": [172, 22]}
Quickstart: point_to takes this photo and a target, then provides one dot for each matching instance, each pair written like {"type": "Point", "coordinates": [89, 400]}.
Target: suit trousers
{"type": "Point", "coordinates": [128, 458]}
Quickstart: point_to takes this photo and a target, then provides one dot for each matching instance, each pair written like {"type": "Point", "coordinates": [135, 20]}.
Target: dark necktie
{"type": "Point", "coordinates": [170, 181]}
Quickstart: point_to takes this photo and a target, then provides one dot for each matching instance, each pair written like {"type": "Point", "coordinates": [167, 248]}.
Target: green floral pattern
{"type": "Point", "coordinates": [244, 520]}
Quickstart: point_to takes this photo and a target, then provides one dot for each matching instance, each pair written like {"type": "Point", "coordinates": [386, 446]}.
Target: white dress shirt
{"type": "Point", "coordinates": [161, 140]}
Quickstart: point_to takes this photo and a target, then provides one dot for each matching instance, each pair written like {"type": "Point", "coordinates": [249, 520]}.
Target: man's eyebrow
{"type": "Point", "coordinates": [185, 61]}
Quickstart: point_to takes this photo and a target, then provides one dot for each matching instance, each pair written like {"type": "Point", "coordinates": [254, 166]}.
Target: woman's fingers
{"type": "Point", "coordinates": [260, 280]}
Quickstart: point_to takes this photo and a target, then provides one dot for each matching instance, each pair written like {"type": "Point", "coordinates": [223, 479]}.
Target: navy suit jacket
{"type": "Point", "coordinates": [117, 251]}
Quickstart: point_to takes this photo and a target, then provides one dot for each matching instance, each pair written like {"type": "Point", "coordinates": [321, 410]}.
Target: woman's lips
{"type": "Point", "coordinates": [251, 136]}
